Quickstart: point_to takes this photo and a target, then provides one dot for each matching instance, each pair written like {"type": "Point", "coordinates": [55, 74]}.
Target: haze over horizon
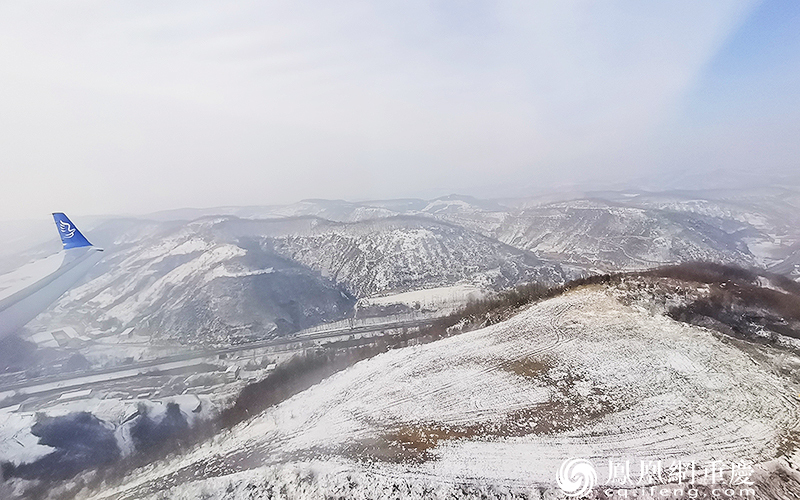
{"type": "Point", "coordinates": [133, 108]}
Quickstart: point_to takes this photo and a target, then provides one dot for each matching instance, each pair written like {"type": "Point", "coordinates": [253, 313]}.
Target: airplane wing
{"type": "Point", "coordinates": [29, 290]}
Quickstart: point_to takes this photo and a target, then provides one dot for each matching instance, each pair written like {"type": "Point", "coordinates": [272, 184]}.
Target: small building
{"type": "Point", "coordinates": [232, 373]}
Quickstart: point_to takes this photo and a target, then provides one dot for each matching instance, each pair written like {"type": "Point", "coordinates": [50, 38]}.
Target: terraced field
{"type": "Point", "coordinates": [580, 375]}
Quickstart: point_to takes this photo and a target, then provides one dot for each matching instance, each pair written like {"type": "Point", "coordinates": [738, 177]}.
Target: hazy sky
{"type": "Point", "coordinates": [131, 107]}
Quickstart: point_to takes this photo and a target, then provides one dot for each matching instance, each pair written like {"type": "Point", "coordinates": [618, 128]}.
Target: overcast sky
{"type": "Point", "coordinates": [131, 107]}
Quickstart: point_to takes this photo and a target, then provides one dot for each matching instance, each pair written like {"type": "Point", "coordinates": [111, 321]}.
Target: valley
{"type": "Point", "coordinates": [442, 377]}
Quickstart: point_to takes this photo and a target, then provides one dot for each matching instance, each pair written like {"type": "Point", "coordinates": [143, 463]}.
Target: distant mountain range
{"type": "Point", "coordinates": [217, 274]}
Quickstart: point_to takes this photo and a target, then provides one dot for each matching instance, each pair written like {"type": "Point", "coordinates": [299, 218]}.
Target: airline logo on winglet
{"type": "Point", "coordinates": [66, 229]}
{"type": "Point", "coordinates": [71, 237]}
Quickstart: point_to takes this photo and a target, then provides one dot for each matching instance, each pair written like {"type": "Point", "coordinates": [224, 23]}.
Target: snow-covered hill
{"type": "Point", "coordinates": [600, 235]}
{"type": "Point", "coordinates": [189, 283]}
{"type": "Point", "coordinates": [495, 412]}
{"type": "Point", "coordinates": [239, 272]}
{"type": "Point", "coordinates": [635, 230]}
{"type": "Point", "coordinates": [609, 230]}
{"type": "Point", "coordinates": [405, 253]}
{"type": "Point", "coordinates": [221, 278]}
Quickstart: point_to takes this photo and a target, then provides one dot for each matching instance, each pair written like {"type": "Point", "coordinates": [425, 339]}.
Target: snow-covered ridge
{"type": "Point", "coordinates": [221, 276]}
{"type": "Point", "coordinates": [206, 277]}
{"type": "Point", "coordinates": [602, 230]}
{"type": "Point", "coordinates": [580, 375]}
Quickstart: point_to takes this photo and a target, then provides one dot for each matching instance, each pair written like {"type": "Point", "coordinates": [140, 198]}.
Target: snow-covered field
{"type": "Point", "coordinates": [443, 299]}
{"type": "Point", "coordinates": [19, 445]}
{"type": "Point", "coordinates": [499, 409]}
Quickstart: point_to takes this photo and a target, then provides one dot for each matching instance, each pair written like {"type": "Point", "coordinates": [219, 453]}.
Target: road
{"type": "Point", "coordinates": [46, 384]}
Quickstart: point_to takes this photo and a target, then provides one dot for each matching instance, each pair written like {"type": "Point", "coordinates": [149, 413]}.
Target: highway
{"type": "Point", "coordinates": [80, 379]}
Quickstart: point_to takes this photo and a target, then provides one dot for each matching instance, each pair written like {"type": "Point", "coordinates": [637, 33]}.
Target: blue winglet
{"type": "Point", "coordinates": [70, 236]}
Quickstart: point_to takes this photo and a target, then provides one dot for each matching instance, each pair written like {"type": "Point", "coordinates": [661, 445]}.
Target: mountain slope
{"type": "Point", "coordinates": [609, 230]}
{"type": "Point", "coordinates": [499, 409]}
{"type": "Point", "coordinates": [224, 279]}
{"type": "Point", "coordinates": [596, 234]}
{"type": "Point", "coordinates": [153, 278]}
{"type": "Point", "coordinates": [399, 254]}
{"type": "Point", "coordinates": [186, 283]}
